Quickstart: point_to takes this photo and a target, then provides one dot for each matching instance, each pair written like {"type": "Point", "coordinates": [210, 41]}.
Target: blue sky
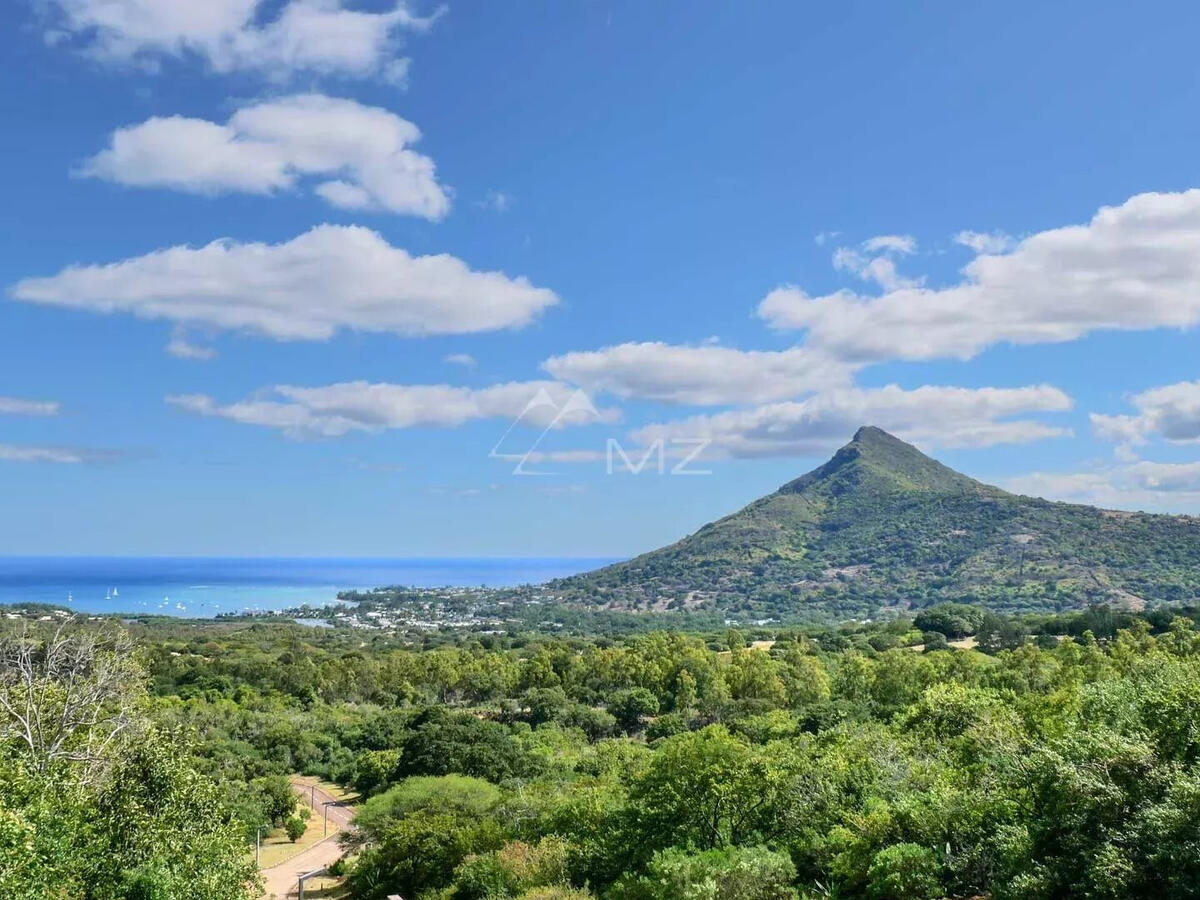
{"type": "Point", "coordinates": [743, 227]}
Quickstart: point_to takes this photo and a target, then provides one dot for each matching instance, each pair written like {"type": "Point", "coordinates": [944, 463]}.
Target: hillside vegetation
{"type": "Point", "coordinates": [881, 525]}
{"type": "Point", "coordinates": [1060, 759]}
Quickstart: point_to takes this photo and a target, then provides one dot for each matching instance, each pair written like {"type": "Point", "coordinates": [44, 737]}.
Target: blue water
{"type": "Point", "coordinates": [201, 587]}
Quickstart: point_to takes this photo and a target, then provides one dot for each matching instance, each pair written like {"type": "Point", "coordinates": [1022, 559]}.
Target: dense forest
{"type": "Point", "coordinates": [957, 754]}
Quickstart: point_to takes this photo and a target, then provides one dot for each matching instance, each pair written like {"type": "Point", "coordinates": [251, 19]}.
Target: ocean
{"type": "Point", "coordinates": [202, 587]}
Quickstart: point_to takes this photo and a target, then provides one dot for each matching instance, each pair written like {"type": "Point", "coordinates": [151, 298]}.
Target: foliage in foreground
{"type": "Point", "coordinates": [98, 802]}
{"type": "Point", "coordinates": [859, 762]}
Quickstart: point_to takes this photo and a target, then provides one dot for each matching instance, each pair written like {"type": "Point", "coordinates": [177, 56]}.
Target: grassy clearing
{"type": "Point", "coordinates": [344, 794]}
{"type": "Point", "coordinates": [326, 889]}
{"type": "Point", "coordinates": [276, 847]}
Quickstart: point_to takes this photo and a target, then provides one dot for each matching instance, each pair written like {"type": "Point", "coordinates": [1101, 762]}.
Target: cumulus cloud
{"type": "Point", "coordinates": [874, 260]}
{"type": "Point", "coordinates": [466, 360]}
{"type": "Point", "coordinates": [181, 348]}
{"type": "Point", "coordinates": [360, 156]}
{"type": "Point", "coordinates": [880, 269]}
{"type": "Point", "coordinates": [326, 280]}
{"type": "Point", "coordinates": [981, 242]}
{"type": "Point", "coordinates": [278, 40]}
{"type": "Point", "coordinates": [1171, 412]}
{"type": "Point", "coordinates": [903, 244]}
{"type": "Point", "coordinates": [337, 409]}
{"type": "Point", "coordinates": [1140, 484]}
{"type": "Point", "coordinates": [932, 416]}
{"type": "Point", "coordinates": [1133, 266]}
{"type": "Point", "coordinates": [17, 406]}
{"type": "Point", "coordinates": [707, 375]}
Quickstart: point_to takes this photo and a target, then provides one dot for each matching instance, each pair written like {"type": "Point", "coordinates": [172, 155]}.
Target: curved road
{"type": "Point", "coordinates": [281, 879]}
{"type": "Point", "coordinates": [342, 815]}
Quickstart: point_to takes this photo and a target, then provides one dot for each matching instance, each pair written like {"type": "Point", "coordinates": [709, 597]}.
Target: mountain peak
{"type": "Point", "coordinates": [883, 526]}
{"type": "Point", "coordinates": [871, 434]}
{"type": "Point", "coordinates": [883, 460]}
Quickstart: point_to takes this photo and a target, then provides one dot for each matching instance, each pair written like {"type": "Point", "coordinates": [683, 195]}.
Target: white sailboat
{"type": "Point", "coordinates": [114, 592]}
{"type": "Point", "coordinates": [108, 595]}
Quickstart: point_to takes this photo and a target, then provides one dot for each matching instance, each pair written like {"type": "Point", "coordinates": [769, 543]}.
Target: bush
{"type": "Point", "coordinates": [954, 620]}
{"type": "Point", "coordinates": [935, 640]}
{"type": "Point", "coordinates": [445, 743]}
{"type": "Point", "coordinates": [295, 828]}
{"type": "Point", "coordinates": [515, 867]}
{"type": "Point", "coordinates": [374, 770]}
{"type": "Point", "coordinates": [905, 872]}
{"type": "Point", "coordinates": [277, 799]}
{"type": "Point", "coordinates": [733, 873]}
{"type": "Point", "coordinates": [666, 725]}
{"type": "Point", "coordinates": [454, 794]}
{"type": "Point", "coordinates": [420, 853]}
{"type": "Point", "coordinates": [630, 706]}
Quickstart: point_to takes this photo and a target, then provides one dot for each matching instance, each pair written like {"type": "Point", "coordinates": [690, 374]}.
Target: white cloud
{"type": "Point", "coordinates": [278, 40]}
{"type": "Point", "coordinates": [1171, 412]}
{"type": "Point", "coordinates": [880, 269]}
{"type": "Point", "coordinates": [704, 375]}
{"type": "Point", "coordinates": [70, 455]}
{"type": "Point", "coordinates": [874, 260]}
{"type": "Point", "coordinates": [181, 348]}
{"type": "Point", "coordinates": [980, 242]}
{"type": "Point", "coordinates": [1158, 476]}
{"type": "Point", "coordinates": [337, 409]}
{"type": "Point", "coordinates": [309, 288]}
{"type": "Point", "coordinates": [17, 406]}
{"type": "Point", "coordinates": [362, 153]}
{"type": "Point", "coordinates": [903, 244]}
{"type": "Point", "coordinates": [466, 360]}
{"type": "Point", "coordinates": [932, 416]}
{"type": "Point", "coordinates": [1139, 484]}
{"type": "Point", "coordinates": [1134, 266]}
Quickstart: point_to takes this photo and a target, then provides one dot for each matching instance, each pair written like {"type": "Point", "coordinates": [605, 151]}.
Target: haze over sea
{"type": "Point", "coordinates": [202, 587]}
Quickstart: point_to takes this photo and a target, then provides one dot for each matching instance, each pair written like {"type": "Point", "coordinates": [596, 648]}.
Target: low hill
{"type": "Point", "coordinates": [882, 525]}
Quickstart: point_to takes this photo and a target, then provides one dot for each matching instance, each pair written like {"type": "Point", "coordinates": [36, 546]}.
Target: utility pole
{"type": "Point", "coordinates": [328, 803]}
{"type": "Point", "coordinates": [258, 844]}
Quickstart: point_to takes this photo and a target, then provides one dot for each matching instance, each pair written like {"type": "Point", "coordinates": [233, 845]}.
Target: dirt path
{"type": "Point", "coordinates": [281, 879]}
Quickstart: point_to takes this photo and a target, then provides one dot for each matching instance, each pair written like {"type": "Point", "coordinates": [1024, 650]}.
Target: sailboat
{"type": "Point", "coordinates": [108, 595]}
{"type": "Point", "coordinates": [114, 592]}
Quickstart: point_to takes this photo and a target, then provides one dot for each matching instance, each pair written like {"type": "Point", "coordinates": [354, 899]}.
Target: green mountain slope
{"type": "Point", "coordinates": [881, 525]}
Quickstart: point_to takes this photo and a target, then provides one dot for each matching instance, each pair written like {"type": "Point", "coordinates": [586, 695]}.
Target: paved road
{"type": "Point", "coordinates": [316, 798]}
{"type": "Point", "coordinates": [281, 879]}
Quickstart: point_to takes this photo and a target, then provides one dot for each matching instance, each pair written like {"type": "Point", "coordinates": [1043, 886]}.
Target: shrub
{"type": "Point", "coordinates": [905, 872]}
{"type": "Point", "coordinates": [515, 867]}
{"type": "Point", "coordinates": [732, 873]}
{"type": "Point", "coordinates": [295, 828]}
